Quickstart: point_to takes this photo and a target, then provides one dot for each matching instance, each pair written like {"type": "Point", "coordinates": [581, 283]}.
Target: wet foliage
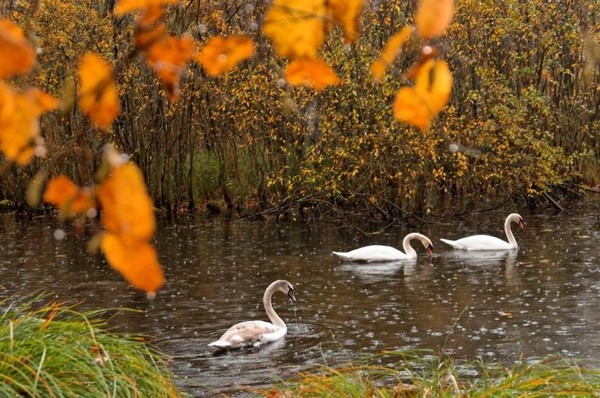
{"type": "Point", "coordinates": [414, 374]}
{"type": "Point", "coordinates": [520, 121]}
{"type": "Point", "coordinates": [52, 350]}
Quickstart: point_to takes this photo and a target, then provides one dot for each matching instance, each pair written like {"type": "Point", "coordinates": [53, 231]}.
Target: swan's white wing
{"type": "Point", "coordinates": [479, 242]}
{"type": "Point", "coordinates": [249, 333]}
{"type": "Point", "coordinates": [373, 253]}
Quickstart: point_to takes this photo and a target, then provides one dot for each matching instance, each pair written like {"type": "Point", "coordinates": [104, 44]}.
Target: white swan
{"type": "Point", "coordinates": [257, 333]}
{"type": "Point", "coordinates": [386, 253]}
{"type": "Point", "coordinates": [486, 242]}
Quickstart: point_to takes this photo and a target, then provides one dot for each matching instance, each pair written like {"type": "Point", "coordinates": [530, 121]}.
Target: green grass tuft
{"type": "Point", "coordinates": [56, 351]}
{"type": "Point", "coordinates": [399, 374]}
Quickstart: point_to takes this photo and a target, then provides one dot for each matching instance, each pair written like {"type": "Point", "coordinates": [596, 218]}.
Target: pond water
{"type": "Point", "coordinates": [498, 307]}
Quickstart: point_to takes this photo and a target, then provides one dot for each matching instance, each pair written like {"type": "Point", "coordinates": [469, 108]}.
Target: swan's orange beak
{"type": "Point", "coordinates": [430, 250]}
{"type": "Point", "coordinates": [521, 224]}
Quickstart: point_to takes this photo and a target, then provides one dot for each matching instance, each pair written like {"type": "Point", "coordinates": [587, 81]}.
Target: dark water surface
{"type": "Point", "coordinates": [544, 299]}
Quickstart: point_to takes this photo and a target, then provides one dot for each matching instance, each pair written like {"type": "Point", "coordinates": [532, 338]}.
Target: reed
{"type": "Point", "coordinates": [56, 351]}
{"type": "Point", "coordinates": [415, 375]}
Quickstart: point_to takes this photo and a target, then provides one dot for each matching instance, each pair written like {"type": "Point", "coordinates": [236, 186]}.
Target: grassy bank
{"type": "Point", "coordinates": [411, 375]}
{"type": "Point", "coordinates": [50, 350]}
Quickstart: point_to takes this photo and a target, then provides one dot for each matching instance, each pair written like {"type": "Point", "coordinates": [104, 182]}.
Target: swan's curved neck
{"type": "Point", "coordinates": [408, 249]}
{"type": "Point", "coordinates": [509, 234]}
{"type": "Point", "coordinates": [273, 317]}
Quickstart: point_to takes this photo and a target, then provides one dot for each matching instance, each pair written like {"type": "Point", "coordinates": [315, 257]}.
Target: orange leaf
{"type": "Point", "coordinates": [346, 13]}
{"type": "Point", "coordinates": [126, 6]}
{"type": "Point", "coordinates": [418, 105]}
{"type": "Point", "coordinates": [98, 92]}
{"type": "Point", "coordinates": [150, 29]}
{"type": "Point", "coordinates": [165, 54]}
{"type": "Point", "coordinates": [60, 190]}
{"type": "Point", "coordinates": [412, 108]}
{"type": "Point", "coordinates": [19, 124]}
{"type": "Point", "coordinates": [433, 17]}
{"type": "Point", "coordinates": [137, 263]}
{"type": "Point", "coordinates": [127, 207]}
{"type": "Point", "coordinates": [168, 58]}
{"type": "Point", "coordinates": [390, 52]}
{"type": "Point", "coordinates": [296, 27]}
{"type": "Point", "coordinates": [220, 55]}
{"type": "Point", "coordinates": [314, 73]}
{"type": "Point", "coordinates": [67, 196]}
{"type": "Point", "coordinates": [17, 55]}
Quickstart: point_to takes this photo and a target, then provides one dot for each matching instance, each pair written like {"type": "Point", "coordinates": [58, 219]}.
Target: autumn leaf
{"type": "Point", "coordinates": [19, 124]}
{"type": "Point", "coordinates": [412, 108]}
{"type": "Point", "coordinates": [126, 6]}
{"type": "Point", "coordinates": [98, 96]}
{"type": "Point", "coordinates": [165, 54]}
{"type": "Point", "coordinates": [17, 55]}
{"type": "Point", "coordinates": [433, 17]}
{"type": "Point", "coordinates": [150, 29]}
{"type": "Point", "coordinates": [128, 217]}
{"type": "Point", "coordinates": [435, 79]}
{"type": "Point", "coordinates": [220, 55]}
{"type": "Point", "coordinates": [296, 27]}
{"type": "Point", "coordinates": [418, 105]}
{"type": "Point", "coordinates": [136, 262]}
{"type": "Point", "coordinates": [127, 207]}
{"type": "Point", "coordinates": [168, 58]}
{"type": "Point", "coordinates": [346, 13]}
{"type": "Point", "coordinates": [390, 51]}
{"type": "Point", "coordinates": [311, 72]}
{"type": "Point", "coordinates": [67, 196]}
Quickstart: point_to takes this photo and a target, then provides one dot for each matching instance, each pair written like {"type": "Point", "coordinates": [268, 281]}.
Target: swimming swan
{"type": "Point", "coordinates": [387, 253]}
{"type": "Point", "coordinates": [257, 333]}
{"type": "Point", "coordinates": [486, 242]}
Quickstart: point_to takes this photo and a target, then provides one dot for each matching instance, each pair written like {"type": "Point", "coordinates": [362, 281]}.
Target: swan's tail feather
{"type": "Point", "coordinates": [220, 344]}
{"type": "Point", "coordinates": [341, 255]}
{"type": "Point", "coordinates": [451, 243]}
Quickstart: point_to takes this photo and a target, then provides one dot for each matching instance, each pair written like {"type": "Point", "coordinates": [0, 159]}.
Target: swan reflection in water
{"type": "Point", "coordinates": [482, 258]}
{"type": "Point", "coordinates": [377, 272]}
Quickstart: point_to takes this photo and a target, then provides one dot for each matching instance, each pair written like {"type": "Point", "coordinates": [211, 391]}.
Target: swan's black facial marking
{"type": "Point", "coordinates": [290, 293]}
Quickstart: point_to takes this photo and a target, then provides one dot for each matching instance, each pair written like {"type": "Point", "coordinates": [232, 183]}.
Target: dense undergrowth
{"type": "Point", "coordinates": [52, 350]}
{"type": "Point", "coordinates": [523, 117]}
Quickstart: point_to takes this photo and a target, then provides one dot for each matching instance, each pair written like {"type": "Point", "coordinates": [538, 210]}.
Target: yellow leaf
{"type": "Point", "coordinates": [220, 55]}
{"type": "Point", "coordinates": [19, 124]}
{"type": "Point", "coordinates": [310, 72]}
{"type": "Point", "coordinates": [126, 6]}
{"type": "Point", "coordinates": [137, 263]}
{"type": "Point", "coordinates": [17, 55]}
{"type": "Point", "coordinates": [68, 197]}
{"type": "Point", "coordinates": [433, 17]}
{"type": "Point", "coordinates": [346, 13]}
{"type": "Point", "coordinates": [434, 82]}
{"type": "Point", "coordinates": [98, 96]}
{"type": "Point", "coordinates": [418, 105]}
{"type": "Point", "coordinates": [127, 207]}
{"type": "Point", "coordinates": [296, 27]}
{"type": "Point", "coordinates": [390, 51]}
